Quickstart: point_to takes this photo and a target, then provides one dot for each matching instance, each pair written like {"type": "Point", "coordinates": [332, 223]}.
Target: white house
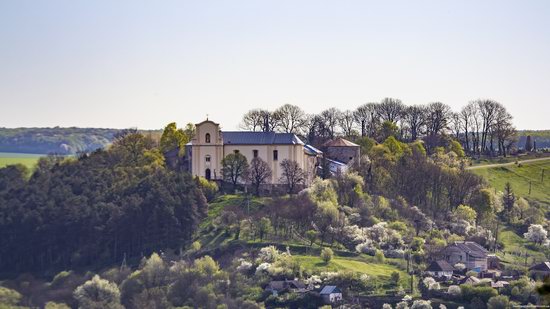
{"type": "Point", "coordinates": [440, 269]}
{"type": "Point", "coordinates": [331, 294]}
{"type": "Point", "coordinates": [210, 145]}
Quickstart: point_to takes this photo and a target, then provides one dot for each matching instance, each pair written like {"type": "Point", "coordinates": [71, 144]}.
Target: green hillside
{"type": "Point", "coordinates": [520, 176]}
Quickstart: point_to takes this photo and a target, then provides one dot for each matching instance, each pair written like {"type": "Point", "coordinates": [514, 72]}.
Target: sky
{"type": "Point", "coordinates": [121, 64]}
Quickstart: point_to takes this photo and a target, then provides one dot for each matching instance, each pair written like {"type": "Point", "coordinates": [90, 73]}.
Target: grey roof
{"type": "Point", "coordinates": [259, 138]}
{"type": "Point", "coordinates": [328, 289]}
{"type": "Point", "coordinates": [440, 265]}
{"type": "Point", "coordinates": [312, 150]}
{"type": "Point", "coordinates": [472, 248]}
{"type": "Point", "coordinates": [544, 266]}
{"type": "Point", "coordinates": [282, 285]}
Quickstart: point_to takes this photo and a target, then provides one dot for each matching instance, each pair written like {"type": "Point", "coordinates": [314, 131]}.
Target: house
{"type": "Point", "coordinates": [469, 253]}
{"type": "Point", "coordinates": [278, 287]}
{"type": "Point", "coordinates": [342, 150]}
{"type": "Point", "coordinates": [440, 269]}
{"type": "Point", "coordinates": [331, 294]}
{"type": "Point", "coordinates": [210, 145]}
{"type": "Point", "coordinates": [541, 270]}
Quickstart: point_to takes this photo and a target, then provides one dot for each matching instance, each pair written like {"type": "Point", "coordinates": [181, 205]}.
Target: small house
{"type": "Point", "coordinates": [469, 253]}
{"type": "Point", "coordinates": [440, 269]}
{"type": "Point", "coordinates": [541, 270]}
{"type": "Point", "coordinates": [281, 286]}
{"type": "Point", "coordinates": [331, 294]}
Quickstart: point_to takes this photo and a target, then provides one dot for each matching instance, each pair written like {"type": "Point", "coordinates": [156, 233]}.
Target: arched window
{"type": "Point", "coordinates": [207, 137]}
{"type": "Point", "coordinates": [207, 174]}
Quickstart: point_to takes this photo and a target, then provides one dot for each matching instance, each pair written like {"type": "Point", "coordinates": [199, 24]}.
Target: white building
{"type": "Point", "coordinates": [210, 145]}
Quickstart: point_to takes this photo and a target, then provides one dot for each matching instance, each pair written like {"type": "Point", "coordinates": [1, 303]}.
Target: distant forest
{"type": "Point", "coordinates": [64, 141]}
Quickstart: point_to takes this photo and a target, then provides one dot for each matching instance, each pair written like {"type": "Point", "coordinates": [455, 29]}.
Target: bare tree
{"type": "Point", "coordinates": [293, 175]}
{"type": "Point", "coordinates": [331, 118]}
{"type": "Point", "coordinates": [414, 117]}
{"type": "Point", "coordinates": [259, 120]}
{"type": "Point", "coordinates": [437, 121]}
{"type": "Point", "coordinates": [487, 110]}
{"type": "Point", "coordinates": [259, 173]}
{"type": "Point", "coordinates": [291, 118]}
{"type": "Point", "coordinates": [504, 130]}
{"type": "Point", "coordinates": [347, 123]}
{"type": "Point", "coordinates": [365, 116]}
{"type": "Point", "coordinates": [390, 109]}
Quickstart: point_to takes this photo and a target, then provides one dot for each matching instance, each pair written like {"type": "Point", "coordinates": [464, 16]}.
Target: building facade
{"type": "Point", "coordinates": [210, 145]}
{"type": "Point", "coordinates": [469, 253]}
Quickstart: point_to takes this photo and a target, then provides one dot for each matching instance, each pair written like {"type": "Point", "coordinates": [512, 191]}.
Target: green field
{"type": "Point", "coordinates": [381, 272]}
{"type": "Point", "coordinates": [520, 176]}
{"type": "Point", "coordinates": [515, 243]}
{"type": "Point", "coordinates": [9, 158]}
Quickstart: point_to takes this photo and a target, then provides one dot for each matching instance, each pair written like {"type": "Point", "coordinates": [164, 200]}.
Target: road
{"type": "Point", "coordinates": [506, 164]}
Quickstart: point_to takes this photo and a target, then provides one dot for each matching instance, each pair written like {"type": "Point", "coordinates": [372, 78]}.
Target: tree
{"type": "Point", "coordinates": [312, 236]}
{"type": "Point", "coordinates": [536, 233]}
{"type": "Point", "coordinates": [98, 293]}
{"type": "Point", "coordinates": [414, 117]}
{"type": "Point", "coordinates": [466, 213]}
{"type": "Point", "coordinates": [528, 143]}
{"type": "Point", "coordinates": [498, 302]}
{"type": "Point", "coordinates": [390, 109]}
{"type": "Point", "coordinates": [173, 138]}
{"type": "Point", "coordinates": [394, 278]}
{"type": "Point", "coordinates": [292, 119]}
{"type": "Point", "coordinates": [293, 175]}
{"type": "Point", "coordinates": [9, 297]}
{"type": "Point", "coordinates": [330, 119]}
{"type": "Point", "coordinates": [508, 199]}
{"type": "Point", "coordinates": [234, 168]}
{"type": "Point", "coordinates": [326, 255]}
{"type": "Point", "coordinates": [347, 123]}
{"type": "Point", "coordinates": [259, 173]}
{"type": "Point", "coordinates": [365, 116]}
{"type": "Point", "coordinates": [264, 227]}
{"type": "Point", "coordinates": [260, 120]}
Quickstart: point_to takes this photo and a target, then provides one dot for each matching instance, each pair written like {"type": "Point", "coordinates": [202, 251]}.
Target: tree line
{"type": "Point", "coordinates": [483, 127]}
{"type": "Point", "coordinates": [97, 208]}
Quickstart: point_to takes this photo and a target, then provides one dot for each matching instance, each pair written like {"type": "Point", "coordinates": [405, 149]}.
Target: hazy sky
{"type": "Point", "coordinates": [146, 63]}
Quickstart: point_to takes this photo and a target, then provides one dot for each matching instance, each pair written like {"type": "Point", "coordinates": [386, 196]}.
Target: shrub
{"type": "Point", "coordinates": [498, 302]}
{"type": "Point", "coordinates": [379, 255]}
{"type": "Point", "coordinates": [9, 297]}
{"type": "Point", "coordinates": [327, 254]}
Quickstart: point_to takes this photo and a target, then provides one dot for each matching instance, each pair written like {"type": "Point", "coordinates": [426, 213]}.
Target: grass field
{"type": "Point", "coordinates": [9, 158]}
{"type": "Point", "coordinates": [514, 243]}
{"type": "Point", "coordinates": [375, 270]}
{"type": "Point", "coordinates": [520, 177]}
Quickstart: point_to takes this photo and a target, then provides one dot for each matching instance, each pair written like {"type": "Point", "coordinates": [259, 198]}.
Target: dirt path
{"type": "Point", "coordinates": [506, 164]}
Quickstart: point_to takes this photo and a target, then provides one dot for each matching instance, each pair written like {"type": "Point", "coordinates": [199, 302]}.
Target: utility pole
{"type": "Point", "coordinates": [530, 187]}
{"type": "Point", "coordinates": [542, 176]}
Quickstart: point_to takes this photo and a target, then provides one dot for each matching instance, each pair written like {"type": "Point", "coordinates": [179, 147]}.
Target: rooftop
{"type": "Point", "coordinates": [260, 138]}
{"type": "Point", "coordinates": [440, 265]}
{"type": "Point", "coordinates": [340, 142]}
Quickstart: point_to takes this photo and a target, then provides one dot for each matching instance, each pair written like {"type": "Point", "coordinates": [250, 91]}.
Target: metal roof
{"type": "Point", "coordinates": [260, 138]}
{"type": "Point", "coordinates": [472, 248]}
{"type": "Point", "coordinates": [330, 289]}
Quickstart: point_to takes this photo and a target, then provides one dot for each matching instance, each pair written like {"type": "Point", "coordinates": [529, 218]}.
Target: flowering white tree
{"type": "Point", "coordinates": [536, 233]}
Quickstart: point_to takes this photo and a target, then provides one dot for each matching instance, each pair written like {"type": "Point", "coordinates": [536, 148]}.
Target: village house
{"type": "Point", "coordinates": [331, 294]}
{"type": "Point", "coordinates": [469, 253]}
{"type": "Point", "coordinates": [210, 145]}
{"type": "Point", "coordinates": [440, 269]}
{"type": "Point", "coordinates": [281, 286]}
{"type": "Point", "coordinates": [540, 271]}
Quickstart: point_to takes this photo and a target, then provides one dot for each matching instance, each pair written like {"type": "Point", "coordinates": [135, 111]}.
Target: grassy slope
{"type": "Point", "coordinates": [356, 264]}
{"type": "Point", "coordinates": [8, 158]}
{"type": "Point", "coordinates": [211, 238]}
{"type": "Point", "coordinates": [519, 178]}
